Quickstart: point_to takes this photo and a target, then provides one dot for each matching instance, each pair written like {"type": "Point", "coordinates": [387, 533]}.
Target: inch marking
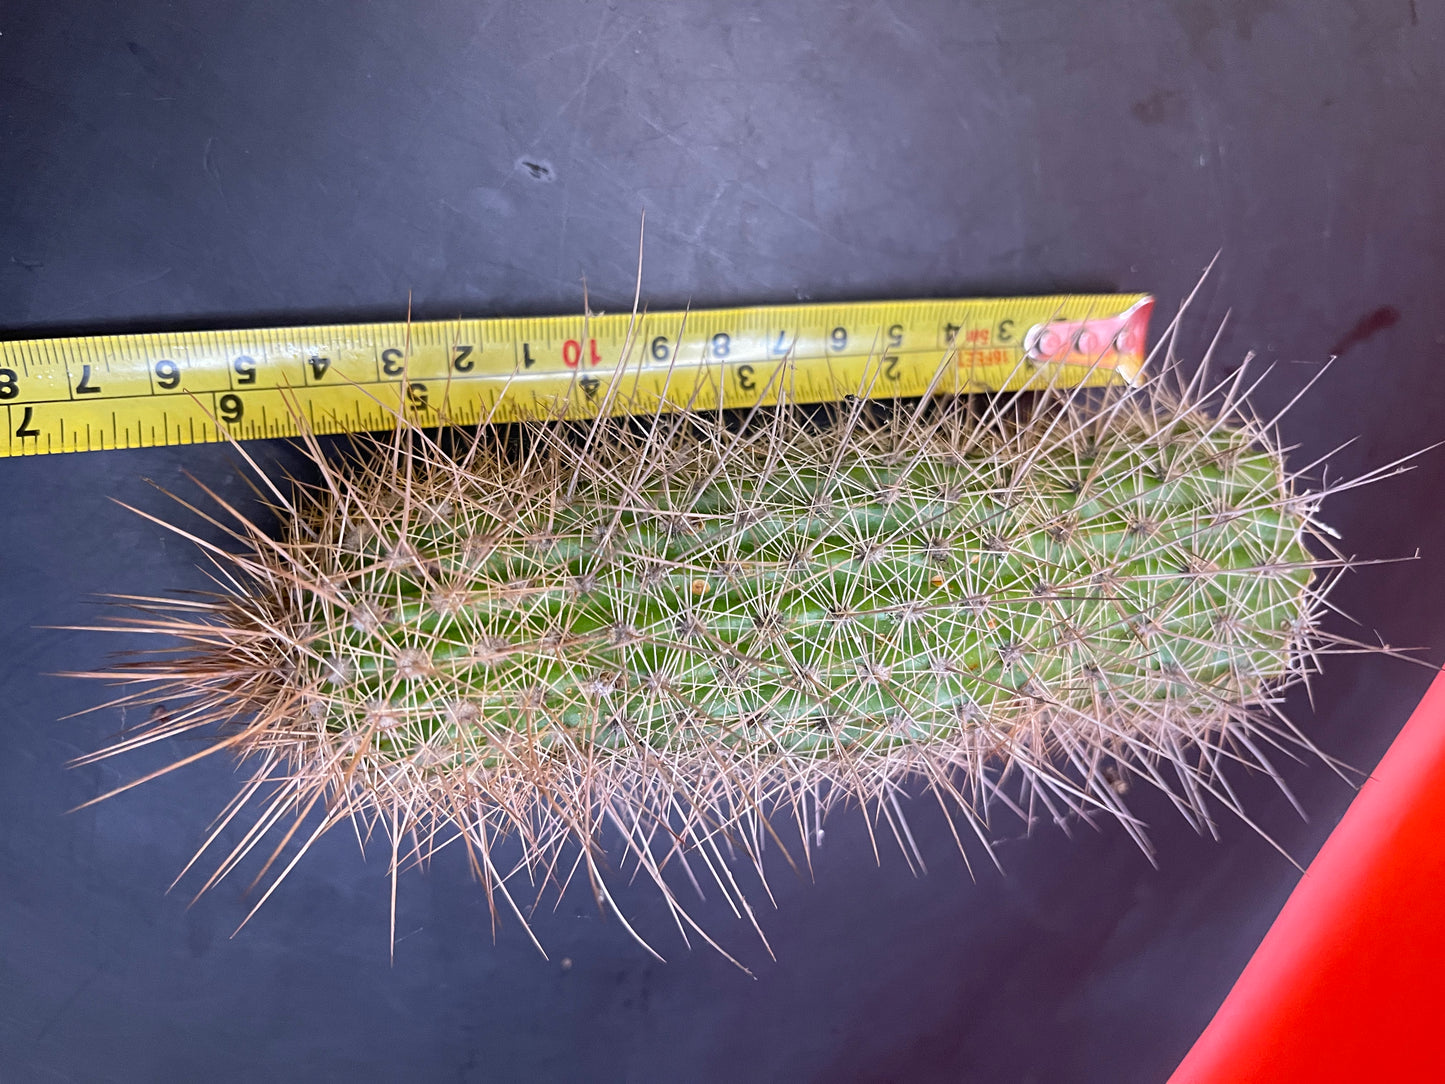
{"type": "Point", "coordinates": [25, 429]}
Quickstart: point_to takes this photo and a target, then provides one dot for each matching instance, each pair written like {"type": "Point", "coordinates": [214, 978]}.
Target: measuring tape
{"type": "Point", "coordinates": [137, 391]}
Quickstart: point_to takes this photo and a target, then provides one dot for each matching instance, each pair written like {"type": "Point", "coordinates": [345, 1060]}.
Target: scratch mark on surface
{"type": "Point", "coordinates": [762, 196]}
{"type": "Point", "coordinates": [135, 285]}
{"type": "Point", "coordinates": [595, 64]}
{"type": "Point", "coordinates": [70, 999]}
{"type": "Point", "coordinates": [213, 171]}
{"type": "Point", "coordinates": [580, 95]}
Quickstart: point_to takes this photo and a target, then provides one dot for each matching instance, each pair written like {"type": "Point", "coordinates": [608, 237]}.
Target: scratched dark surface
{"type": "Point", "coordinates": [191, 164]}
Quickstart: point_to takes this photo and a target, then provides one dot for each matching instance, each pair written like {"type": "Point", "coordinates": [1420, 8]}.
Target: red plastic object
{"type": "Point", "coordinates": [1349, 983]}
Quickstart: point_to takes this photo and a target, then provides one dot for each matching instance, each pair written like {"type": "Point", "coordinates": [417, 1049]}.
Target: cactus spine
{"type": "Point", "coordinates": [676, 628]}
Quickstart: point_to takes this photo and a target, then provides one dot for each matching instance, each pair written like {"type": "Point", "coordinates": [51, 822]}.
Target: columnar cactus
{"type": "Point", "coordinates": [666, 633]}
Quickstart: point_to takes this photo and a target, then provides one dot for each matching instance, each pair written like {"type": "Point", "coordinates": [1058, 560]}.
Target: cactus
{"type": "Point", "coordinates": [673, 631]}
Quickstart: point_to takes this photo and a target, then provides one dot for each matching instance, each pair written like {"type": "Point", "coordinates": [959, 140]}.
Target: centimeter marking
{"type": "Point", "coordinates": [170, 388]}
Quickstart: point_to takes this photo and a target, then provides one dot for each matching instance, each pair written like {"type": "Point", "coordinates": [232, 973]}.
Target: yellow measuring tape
{"type": "Point", "coordinates": [135, 391]}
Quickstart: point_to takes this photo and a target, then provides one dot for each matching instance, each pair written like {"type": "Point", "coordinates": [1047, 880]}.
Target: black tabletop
{"type": "Point", "coordinates": [190, 165]}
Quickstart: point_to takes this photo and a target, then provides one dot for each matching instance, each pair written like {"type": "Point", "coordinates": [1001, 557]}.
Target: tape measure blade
{"type": "Point", "coordinates": [171, 388]}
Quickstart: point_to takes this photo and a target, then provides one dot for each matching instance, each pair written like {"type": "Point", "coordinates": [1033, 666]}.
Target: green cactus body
{"type": "Point", "coordinates": [669, 631]}
{"type": "Point", "coordinates": [902, 595]}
